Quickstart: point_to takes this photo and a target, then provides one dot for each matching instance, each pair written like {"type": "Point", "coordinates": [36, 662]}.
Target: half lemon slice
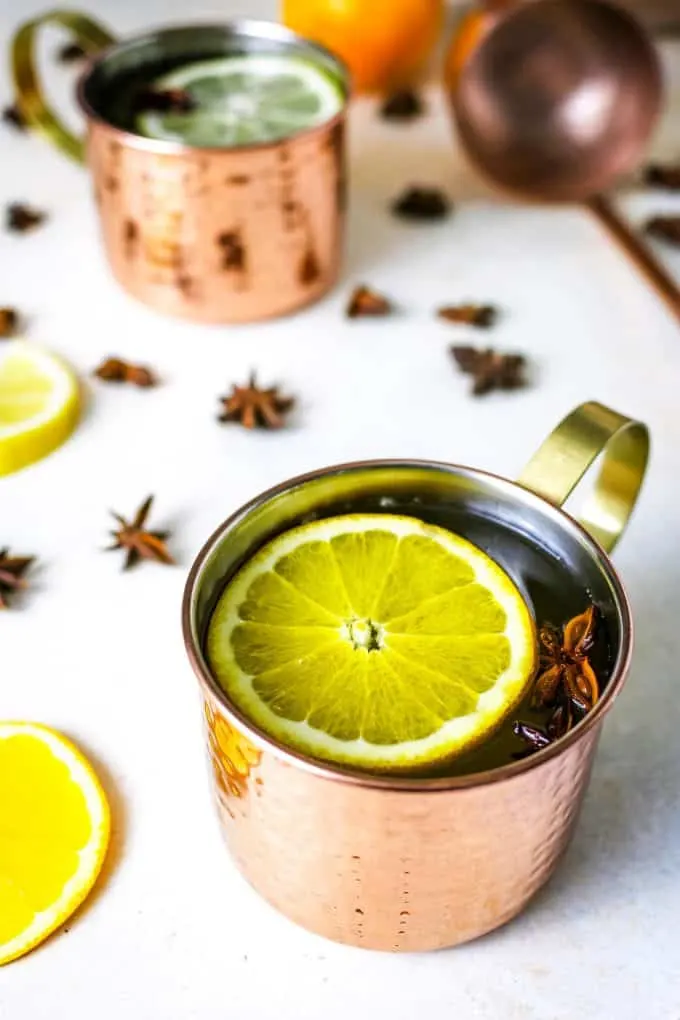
{"type": "Point", "coordinates": [374, 640]}
{"type": "Point", "coordinates": [54, 831]}
{"type": "Point", "coordinates": [39, 404]}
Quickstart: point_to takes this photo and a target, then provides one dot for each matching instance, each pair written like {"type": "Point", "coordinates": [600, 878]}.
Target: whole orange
{"type": "Point", "coordinates": [383, 42]}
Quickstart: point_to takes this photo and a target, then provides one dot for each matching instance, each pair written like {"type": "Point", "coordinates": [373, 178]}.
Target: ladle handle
{"type": "Point", "coordinates": [639, 253]}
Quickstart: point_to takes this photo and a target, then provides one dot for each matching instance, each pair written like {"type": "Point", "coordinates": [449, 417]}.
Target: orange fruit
{"type": "Point", "coordinates": [383, 42]}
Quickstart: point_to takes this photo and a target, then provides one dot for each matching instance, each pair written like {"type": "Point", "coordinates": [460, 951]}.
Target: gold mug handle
{"type": "Point", "coordinates": [563, 459]}
{"type": "Point", "coordinates": [29, 95]}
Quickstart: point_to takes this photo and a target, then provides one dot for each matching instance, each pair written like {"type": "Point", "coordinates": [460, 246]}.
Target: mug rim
{"type": "Point", "coordinates": [395, 781]}
{"type": "Point", "coordinates": [242, 26]}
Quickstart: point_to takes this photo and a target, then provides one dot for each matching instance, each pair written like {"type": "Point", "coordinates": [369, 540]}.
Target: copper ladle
{"type": "Point", "coordinates": [558, 100]}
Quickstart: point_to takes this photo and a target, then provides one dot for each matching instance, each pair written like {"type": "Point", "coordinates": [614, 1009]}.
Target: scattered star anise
{"type": "Point", "coordinates": [138, 542]}
{"type": "Point", "coordinates": [71, 53]}
{"type": "Point", "coordinates": [662, 175]}
{"type": "Point", "coordinates": [364, 301]}
{"type": "Point", "coordinates": [665, 228]}
{"type": "Point", "coordinates": [13, 116]}
{"type": "Point", "coordinates": [164, 101]}
{"type": "Point", "coordinates": [253, 407]}
{"type": "Point", "coordinates": [490, 370]}
{"type": "Point", "coordinates": [482, 316]}
{"type": "Point", "coordinates": [12, 570]}
{"type": "Point", "coordinates": [19, 217]}
{"type": "Point", "coordinates": [9, 320]}
{"type": "Point", "coordinates": [117, 370]}
{"type": "Point", "coordinates": [420, 203]}
{"type": "Point", "coordinates": [405, 104]}
{"type": "Point", "coordinates": [566, 681]}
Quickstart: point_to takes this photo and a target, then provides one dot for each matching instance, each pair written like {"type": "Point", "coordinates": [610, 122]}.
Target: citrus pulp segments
{"type": "Point", "coordinates": [54, 832]}
{"type": "Point", "coordinates": [39, 404]}
{"type": "Point", "coordinates": [244, 100]}
{"type": "Point", "coordinates": [288, 641]}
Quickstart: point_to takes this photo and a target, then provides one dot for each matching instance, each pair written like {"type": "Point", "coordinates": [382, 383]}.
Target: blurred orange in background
{"type": "Point", "coordinates": [385, 43]}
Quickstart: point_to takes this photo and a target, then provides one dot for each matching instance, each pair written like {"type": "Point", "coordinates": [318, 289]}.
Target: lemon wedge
{"type": "Point", "coordinates": [39, 404]}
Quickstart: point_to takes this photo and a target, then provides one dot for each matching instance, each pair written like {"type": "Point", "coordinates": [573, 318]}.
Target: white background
{"type": "Point", "coordinates": [172, 932]}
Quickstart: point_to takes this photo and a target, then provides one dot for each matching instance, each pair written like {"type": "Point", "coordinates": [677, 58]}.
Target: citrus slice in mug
{"type": "Point", "coordinates": [374, 640]}
{"type": "Point", "coordinates": [243, 100]}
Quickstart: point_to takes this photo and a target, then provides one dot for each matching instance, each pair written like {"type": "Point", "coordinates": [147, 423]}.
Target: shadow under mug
{"type": "Point", "coordinates": [209, 234]}
{"type": "Point", "coordinates": [407, 863]}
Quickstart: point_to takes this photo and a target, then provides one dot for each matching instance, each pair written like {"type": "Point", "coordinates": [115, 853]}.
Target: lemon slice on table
{"type": "Point", "coordinates": [373, 640]}
{"type": "Point", "coordinates": [54, 831]}
{"type": "Point", "coordinates": [39, 404]}
{"type": "Point", "coordinates": [243, 100]}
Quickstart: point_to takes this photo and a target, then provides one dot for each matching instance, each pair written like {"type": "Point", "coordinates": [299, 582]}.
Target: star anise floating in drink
{"type": "Point", "coordinates": [664, 228]}
{"type": "Point", "coordinates": [119, 371]}
{"type": "Point", "coordinates": [12, 570]}
{"type": "Point", "coordinates": [20, 218]}
{"type": "Point", "coordinates": [421, 203]}
{"type": "Point", "coordinates": [490, 369]}
{"type": "Point", "coordinates": [662, 175]}
{"type": "Point", "coordinates": [254, 407]}
{"type": "Point", "coordinates": [9, 321]}
{"type": "Point", "coordinates": [163, 101]}
{"type": "Point", "coordinates": [482, 316]}
{"type": "Point", "coordinates": [138, 541]}
{"type": "Point", "coordinates": [405, 104]}
{"type": "Point", "coordinates": [364, 301]}
{"type": "Point", "coordinates": [566, 682]}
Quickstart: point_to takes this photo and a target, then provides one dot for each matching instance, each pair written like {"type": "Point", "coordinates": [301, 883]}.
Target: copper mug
{"type": "Point", "coordinates": [401, 863]}
{"type": "Point", "coordinates": [209, 234]}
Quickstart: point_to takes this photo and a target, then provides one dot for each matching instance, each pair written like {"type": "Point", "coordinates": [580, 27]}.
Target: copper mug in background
{"type": "Point", "coordinates": [209, 234]}
{"type": "Point", "coordinates": [405, 863]}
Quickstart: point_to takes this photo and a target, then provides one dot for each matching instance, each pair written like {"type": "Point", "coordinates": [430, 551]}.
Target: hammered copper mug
{"type": "Point", "coordinates": [401, 863]}
{"type": "Point", "coordinates": [210, 234]}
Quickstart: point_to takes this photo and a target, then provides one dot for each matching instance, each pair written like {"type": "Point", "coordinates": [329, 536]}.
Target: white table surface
{"type": "Point", "coordinates": [173, 932]}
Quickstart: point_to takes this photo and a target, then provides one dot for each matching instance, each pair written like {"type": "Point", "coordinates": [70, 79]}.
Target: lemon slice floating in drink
{"type": "Point", "coordinates": [39, 404]}
{"type": "Point", "coordinates": [376, 641]}
{"type": "Point", "coordinates": [243, 100]}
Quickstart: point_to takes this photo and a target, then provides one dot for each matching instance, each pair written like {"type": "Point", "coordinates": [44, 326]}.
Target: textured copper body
{"type": "Point", "coordinates": [222, 236]}
{"type": "Point", "coordinates": [405, 863]}
{"type": "Point", "coordinates": [209, 234]}
{"type": "Point", "coordinates": [387, 868]}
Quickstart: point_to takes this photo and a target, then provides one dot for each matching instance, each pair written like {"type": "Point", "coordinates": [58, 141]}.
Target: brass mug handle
{"type": "Point", "coordinates": [29, 95]}
{"type": "Point", "coordinates": [563, 459]}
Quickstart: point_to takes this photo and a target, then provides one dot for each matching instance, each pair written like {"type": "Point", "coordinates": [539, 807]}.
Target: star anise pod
{"type": "Point", "coordinates": [9, 320]}
{"type": "Point", "coordinates": [490, 370]}
{"type": "Point", "coordinates": [12, 570]}
{"type": "Point", "coordinates": [19, 217]}
{"type": "Point", "coordinates": [421, 203]}
{"type": "Point", "coordinates": [482, 316]}
{"type": "Point", "coordinates": [70, 53]}
{"type": "Point", "coordinates": [12, 116]}
{"type": "Point", "coordinates": [664, 228]}
{"type": "Point", "coordinates": [535, 737]}
{"type": "Point", "coordinates": [117, 370]}
{"type": "Point", "coordinates": [164, 101]}
{"type": "Point", "coordinates": [138, 541]}
{"type": "Point", "coordinates": [366, 302]}
{"type": "Point", "coordinates": [565, 668]}
{"type": "Point", "coordinates": [253, 407]}
{"type": "Point", "coordinates": [405, 104]}
{"type": "Point", "coordinates": [662, 175]}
